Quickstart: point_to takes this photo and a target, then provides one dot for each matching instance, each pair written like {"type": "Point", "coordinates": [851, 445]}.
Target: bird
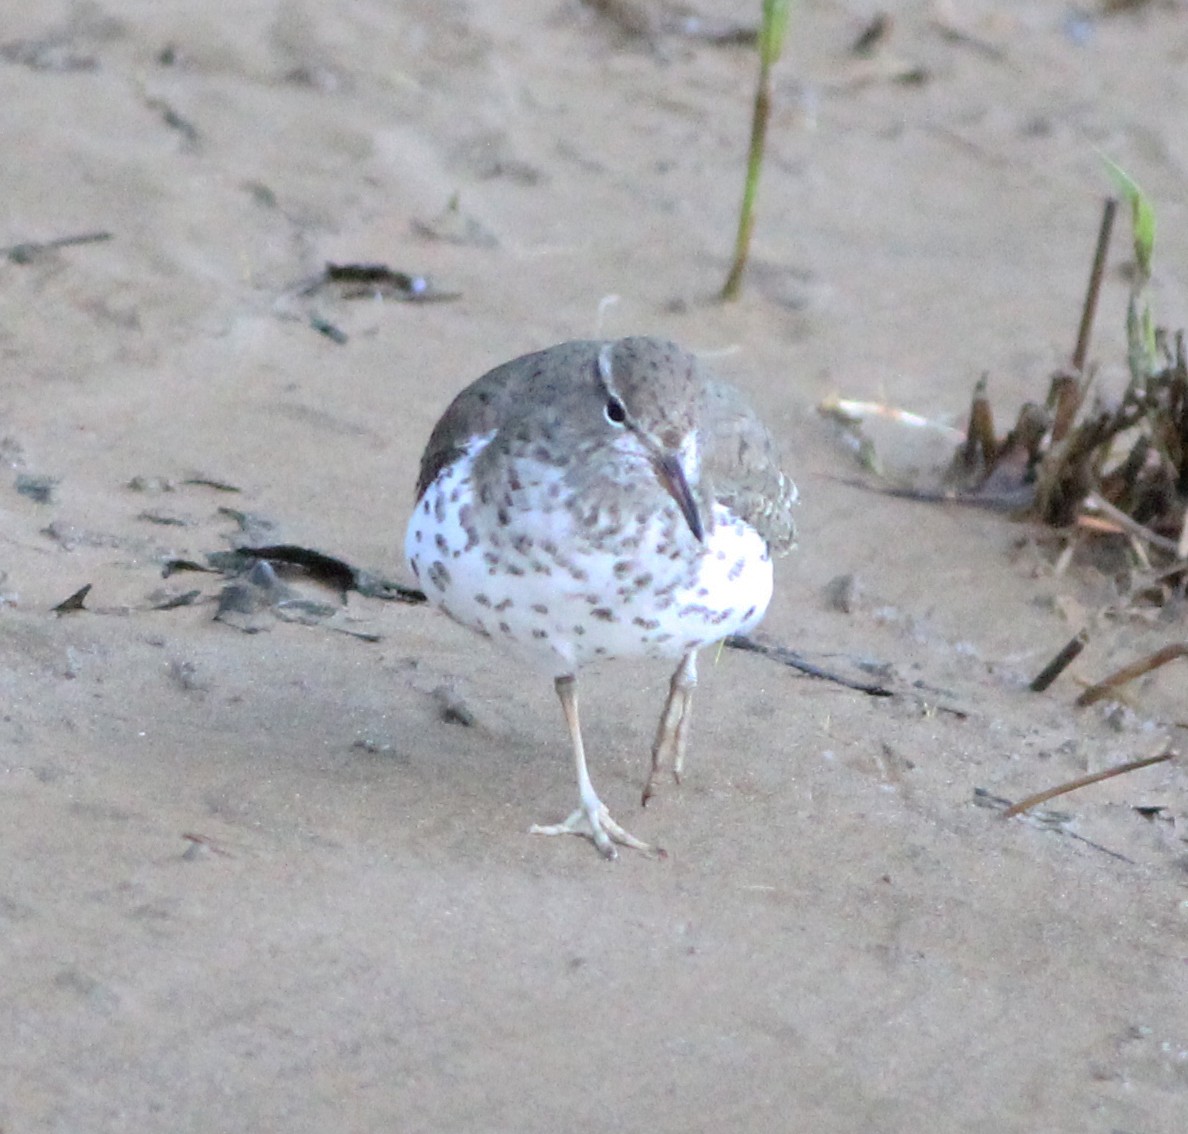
{"type": "Point", "coordinates": [602, 499]}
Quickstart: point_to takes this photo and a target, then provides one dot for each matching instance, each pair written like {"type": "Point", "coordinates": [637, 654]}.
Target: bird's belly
{"type": "Point", "coordinates": [562, 601]}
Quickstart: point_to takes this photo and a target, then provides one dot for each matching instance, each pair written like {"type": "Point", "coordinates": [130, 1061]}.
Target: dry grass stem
{"type": "Point", "coordinates": [1084, 781]}
{"type": "Point", "coordinates": [1128, 673]}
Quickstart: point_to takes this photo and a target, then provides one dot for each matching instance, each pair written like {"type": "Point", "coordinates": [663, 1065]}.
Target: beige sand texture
{"type": "Point", "coordinates": [269, 881]}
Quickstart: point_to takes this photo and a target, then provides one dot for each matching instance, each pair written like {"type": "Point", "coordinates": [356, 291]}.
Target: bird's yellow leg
{"type": "Point", "coordinates": [672, 734]}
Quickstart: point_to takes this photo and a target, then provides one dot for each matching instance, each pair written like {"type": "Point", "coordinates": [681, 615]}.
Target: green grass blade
{"type": "Point", "coordinates": [772, 31]}
{"type": "Point", "coordinates": [1142, 216]}
{"type": "Point", "coordinates": [774, 27]}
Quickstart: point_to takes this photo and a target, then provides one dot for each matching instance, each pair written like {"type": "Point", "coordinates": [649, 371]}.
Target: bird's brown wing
{"type": "Point", "coordinates": [740, 462]}
{"type": "Point", "coordinates": [495, 399]}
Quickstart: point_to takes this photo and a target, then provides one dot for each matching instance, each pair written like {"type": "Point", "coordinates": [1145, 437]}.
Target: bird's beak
{"type": "Point", "coordinates": [672, 476]}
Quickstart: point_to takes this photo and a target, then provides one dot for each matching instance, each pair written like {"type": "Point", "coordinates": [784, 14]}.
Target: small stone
{"type": "Point", "coordinates": [39, 489]}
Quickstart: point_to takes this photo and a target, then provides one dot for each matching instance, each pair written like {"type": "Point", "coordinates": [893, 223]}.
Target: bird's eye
{"type": "Point", "coordinates": [616, 412]}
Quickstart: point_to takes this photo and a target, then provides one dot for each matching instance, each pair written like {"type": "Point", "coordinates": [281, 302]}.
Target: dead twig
{"type": "Point", "coordinates": [1059, 663]}
{"type": "Point", "coordinates": [1057, 821]}
{"type": "Point", "coordinates": [29, 250]}
{"type": "Point", "coordinates": [365, 281]}
{"type": "Point", "coordinates": [1084, 781]}
{"type": "Point", "coordinates": [1129, 525]}
{"type": "Point", "coordinates": [793, 660]}
{"type": "Point", "coordinates": [1128, 673]}
{"type": "Point", "coordinates": [782, 655]}
{"type": "Point", "coordinates": [1081, 350]}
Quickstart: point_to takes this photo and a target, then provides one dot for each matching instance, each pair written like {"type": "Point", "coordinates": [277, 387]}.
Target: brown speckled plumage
{"type": "Point", "coordinates": [739, 465]}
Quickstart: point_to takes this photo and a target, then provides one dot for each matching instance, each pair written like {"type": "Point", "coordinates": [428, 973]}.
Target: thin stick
{"type": "Point", "coordinates": [1083, 781]}
{"type": "Point", "coordinates": [1059, 663]}
{"type": "Point", "coordinates": [24, 253]}
{"type": "Point", "coordinates": [1127, 673]}
{"type": "Point", "coordinates": [1176, 568]}
{"type": "Point", "coordinates": [1109, 211]}
{"type": "Point", "coordinates": [793, 660]}
{"type": "Point", "coordinates": [1129, 524]}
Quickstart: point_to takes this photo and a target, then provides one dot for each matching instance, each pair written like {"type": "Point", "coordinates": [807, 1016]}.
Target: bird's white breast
{"type": "Point", "coordinates": [541, 586]}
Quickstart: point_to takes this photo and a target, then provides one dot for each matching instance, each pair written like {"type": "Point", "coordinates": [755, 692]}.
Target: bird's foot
{"type": "Point", "coordinates": [596, 824]}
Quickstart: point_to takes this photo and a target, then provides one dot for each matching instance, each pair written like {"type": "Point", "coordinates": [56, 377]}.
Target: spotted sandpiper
{"type": "Point", "coordinates": [602, 500]}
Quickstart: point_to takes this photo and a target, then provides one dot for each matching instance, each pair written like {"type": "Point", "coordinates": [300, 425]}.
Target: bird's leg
{"type": "Point", "coordinates": [672, 734]}
{"type": "Point", "coordinates": [591, 819]}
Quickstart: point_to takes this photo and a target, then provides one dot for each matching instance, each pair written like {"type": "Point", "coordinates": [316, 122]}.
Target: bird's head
{"type": "Point", "coordinates": [651, 390]}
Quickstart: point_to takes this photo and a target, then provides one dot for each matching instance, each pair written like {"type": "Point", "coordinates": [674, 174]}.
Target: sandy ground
{"type": "Point", "coordinates": [259, 881]}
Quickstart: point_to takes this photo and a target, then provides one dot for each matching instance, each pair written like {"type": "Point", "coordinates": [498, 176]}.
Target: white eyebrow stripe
{"type": "Point", "coordinates": [604, 363]}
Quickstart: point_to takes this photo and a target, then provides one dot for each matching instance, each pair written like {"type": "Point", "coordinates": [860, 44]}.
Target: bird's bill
{"type": "Point", "coordinates": [672, 476]}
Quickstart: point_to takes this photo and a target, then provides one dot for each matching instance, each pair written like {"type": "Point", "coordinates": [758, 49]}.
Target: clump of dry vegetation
{"type": "Point", "coordinates": [1115, 469]}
